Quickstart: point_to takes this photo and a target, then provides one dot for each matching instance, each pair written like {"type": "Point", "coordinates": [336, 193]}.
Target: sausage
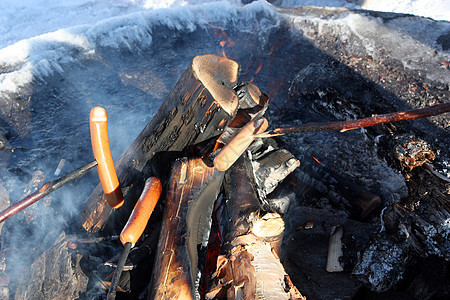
{"type": "Point", "coordinates": [237, 145]}
{"type": "Point", "coordinates": [141, 211]}
{"type": "Point", "coordinates": [102, 154]}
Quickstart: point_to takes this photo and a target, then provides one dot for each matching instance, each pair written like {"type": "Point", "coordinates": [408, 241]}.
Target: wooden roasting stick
{"type": "Point", "coordinates": [199, 107]}
{"type": "Point", "coordinates": [366, 122]}
{"type": "Point", "coordinates": [45, 190]}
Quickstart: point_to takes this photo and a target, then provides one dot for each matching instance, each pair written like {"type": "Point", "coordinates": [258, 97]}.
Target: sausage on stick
{"type": "Point", "coordinates": [102, 154]}
{"type": "Point", "coordinates": [141, 212]}
{"type": "Point", "coordinates": [135, 226]}
{"type": "Point", "coordinates": [237, 145]}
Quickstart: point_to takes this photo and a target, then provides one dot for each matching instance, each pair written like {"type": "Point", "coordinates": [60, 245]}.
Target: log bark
{"type": "Point", "coordinates": [186, 224]}
{"type": "Point", "coordinates": [199, 107]}
{"type": "Point", "coordinates": [249, 267]}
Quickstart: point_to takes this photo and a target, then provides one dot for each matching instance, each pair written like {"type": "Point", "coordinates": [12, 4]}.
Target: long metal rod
{"type": "Point", "coordinates": [46, 189]}
{"type": "Point", "coordinates": [118, 272]}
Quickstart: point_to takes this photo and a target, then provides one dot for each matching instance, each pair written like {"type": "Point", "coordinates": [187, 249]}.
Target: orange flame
{"type": "Point", "coordinates": [259, 68]}
{"type": "Point", "coordinates": [316, 160]}
{"type": "Point", "coordinates": [225, 40]}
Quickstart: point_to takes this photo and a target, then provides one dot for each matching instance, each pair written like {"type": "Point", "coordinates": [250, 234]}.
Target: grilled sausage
{"type": "Point", "coordinates": [102, 154]}
{"type": "Point", "coordinates": [141, 212]}
{"type": "Point", "coordinates": [237, 145]}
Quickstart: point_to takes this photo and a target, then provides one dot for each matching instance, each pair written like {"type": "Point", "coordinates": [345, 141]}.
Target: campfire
{"type": "Point", "coordinates": [328, 193]}
{"type": "Point", "coordinates": [218, 230]}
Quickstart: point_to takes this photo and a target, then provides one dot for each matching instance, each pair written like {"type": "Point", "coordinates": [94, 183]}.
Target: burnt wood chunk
{"type": "Point", "coordinates": [271, 169]}
{"type": "Point", "coordinates": [56, 274]}
{"type": "Point", "coordinates": [249, 267]}
{"type": "Point", "coordinates": [193, 188]}
{"type": "Point", "coordinates": [199, 107]}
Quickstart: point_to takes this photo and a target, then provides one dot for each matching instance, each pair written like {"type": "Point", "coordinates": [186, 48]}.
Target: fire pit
{"type": "Point", "coordinates": [315, 66]}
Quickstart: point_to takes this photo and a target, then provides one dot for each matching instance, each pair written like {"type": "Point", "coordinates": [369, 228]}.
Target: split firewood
{"type": "Point", "coordinates": [193, 188]}
{"type": "Point", "coordinates": [272, 168]}
{"type": "Point", "coordinates": [199, 107]}
{"type": "Point", "coordinates": [335, 250]}
{"type": "Point", "coordinates": [248, 267]}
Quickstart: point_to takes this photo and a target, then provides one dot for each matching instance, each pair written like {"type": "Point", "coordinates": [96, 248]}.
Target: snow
{"type": "Point", "coordinates": [438, 10]}
{"type": "Point", "coordinates": [36, 36]}
{"type": "Point", "coordinates": [29, 18]}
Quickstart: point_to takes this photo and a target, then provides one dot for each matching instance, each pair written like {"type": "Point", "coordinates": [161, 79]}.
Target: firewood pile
{"type": "Point", "coordinates": [361, 214]}
{"type": "Point", "coordinates": [279, 223]}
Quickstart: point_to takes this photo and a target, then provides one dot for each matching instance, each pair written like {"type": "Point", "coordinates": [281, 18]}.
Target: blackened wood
{"type": "Point", "coordinates": [193, 189]}
{"type": "Point", "coordinates": [252, 104]}
{"type": "Point", "coordinates": [199, 107]}
{"type": "Point", "coordinates": [56, 274]}
{"type": "Point", "coordinates": [272, 168]}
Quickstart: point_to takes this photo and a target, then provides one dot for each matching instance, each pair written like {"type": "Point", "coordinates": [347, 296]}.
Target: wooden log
{"type": "Point", "coordinates": [199, 107]}
{"type": "Point", "coordinates": [248, 267]}
{"type": "Point", "coordinates": [186, 224]}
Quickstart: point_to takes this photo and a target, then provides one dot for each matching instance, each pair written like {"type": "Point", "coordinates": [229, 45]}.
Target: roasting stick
{"type": "Point", "coordinates": [366, 122]}
{"type": "Point", "coordinates": [46, 189]}
{"type": "Point", "coordinates": [135, 226]}
{"type": "Point", "coordinates": [103, 161]}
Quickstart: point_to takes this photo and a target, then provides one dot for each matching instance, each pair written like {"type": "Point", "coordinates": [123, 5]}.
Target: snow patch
{"type": "Point", "coordinates": [43, 55]}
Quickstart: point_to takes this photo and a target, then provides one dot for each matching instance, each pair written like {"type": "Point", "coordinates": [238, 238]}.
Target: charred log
{"type": "Point", "coordinates": [412, 232]}
{"type": "Point", "coordinates": [199, 107]}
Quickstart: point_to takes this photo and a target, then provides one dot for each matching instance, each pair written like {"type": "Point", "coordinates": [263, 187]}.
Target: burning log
{"type": "Point", "coordinates": [199, 107]}
{"type": "Point", "coordinates": [193, 188]}
{"type": "Point", "coordinates": [271, 168]}
{"type": "Point", "coordinates": [248, 267]}
{"type": "Point", "coordinates": [411, 233]}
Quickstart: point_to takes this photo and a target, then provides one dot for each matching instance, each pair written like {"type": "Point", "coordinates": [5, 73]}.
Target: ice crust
{"type": "Point", "coordinates": [43, 55]}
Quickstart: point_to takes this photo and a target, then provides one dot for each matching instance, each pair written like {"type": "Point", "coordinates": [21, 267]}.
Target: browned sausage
{"type": "Point", "coordinates": [234, 149]}
{"type": "Point", "coordinates": [141, 212]}
{"type": "Point", "coordinates": [102, 154]}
